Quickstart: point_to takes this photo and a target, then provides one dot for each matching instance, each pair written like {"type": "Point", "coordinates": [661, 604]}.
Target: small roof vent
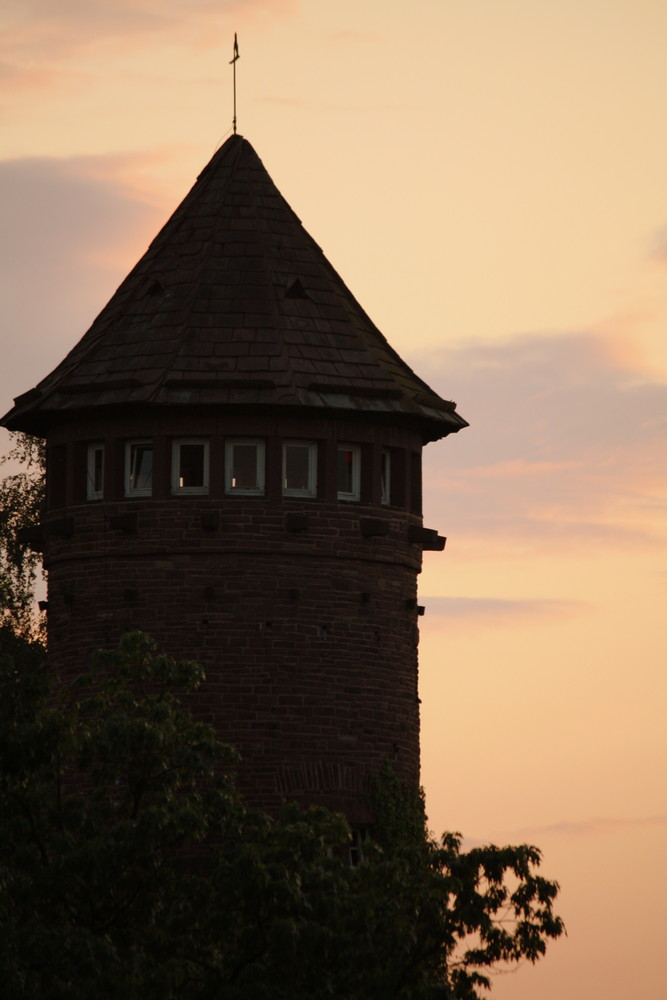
{"type": "Point", "coordinates": [155, 287]}
{"type": "Point", "coordinates": [295, 289]}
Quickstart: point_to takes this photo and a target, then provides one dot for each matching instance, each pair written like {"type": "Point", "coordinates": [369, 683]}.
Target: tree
{"type": "Point", "coordinates": [130, 867]}
{"type": "Point", "coordinates": [21, 505]}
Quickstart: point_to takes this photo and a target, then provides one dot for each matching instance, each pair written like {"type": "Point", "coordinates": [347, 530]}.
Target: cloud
{"type": "Point", "coordinates": [566, 445]}
{"type": "Point", "coordinates": [69, 228]}
{"type": "Point", "coordinates": [46, 33]}
{"type": "Point", "coordinates": [550, 398]}
{"type": "Point", "coordinates": [347, 35]}
{"type": "Point", "coordinates": [658, 245]}
{"type": "Point", "coordinates": [496, 612]}
{"type": "Point", "coordinates": [594, 826]}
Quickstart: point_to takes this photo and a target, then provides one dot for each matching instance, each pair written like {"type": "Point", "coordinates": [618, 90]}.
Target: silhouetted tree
{"type": "Point", "coordinates": [130, 867]}
{"type": "Point", "coordinates": [21, 504]}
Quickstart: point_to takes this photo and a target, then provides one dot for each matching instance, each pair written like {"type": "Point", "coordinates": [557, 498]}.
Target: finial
{"type": "Point", "coordinates": [232, 62]}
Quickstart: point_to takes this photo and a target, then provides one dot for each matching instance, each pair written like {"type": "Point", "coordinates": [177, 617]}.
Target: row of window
{"type": "Point", "coordinates": [244, 469]}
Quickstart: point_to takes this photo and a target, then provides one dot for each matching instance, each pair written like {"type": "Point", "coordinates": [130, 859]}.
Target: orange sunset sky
{"type": "Point", "coordinates": [489, 177]}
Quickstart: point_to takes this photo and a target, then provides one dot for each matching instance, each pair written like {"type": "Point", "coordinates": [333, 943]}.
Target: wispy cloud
{"type": "Point", "coordinates": [593, 826]}
{"type": "Point", "coordinates": [658, 244]}
{"type": "Point", "coordinates": [565, 443]}
{"type": "Point", "coordinates": [345, 36]}
{"type": "Point", "coordinates": [583, 829]}
{"type": "Point", "coordinates": [497, 612]}
{"type": "Point", "coordinates": [69, 228]}
{"type": "Point", "coordinates": [48, 32]}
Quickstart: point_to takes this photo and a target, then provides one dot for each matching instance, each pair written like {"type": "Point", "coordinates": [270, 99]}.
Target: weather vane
{"type": "Point", "coordinates": [232, 62]}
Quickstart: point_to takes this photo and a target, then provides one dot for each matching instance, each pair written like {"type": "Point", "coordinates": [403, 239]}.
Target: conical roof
{"type": "Point", "coordinates": [234, 305]}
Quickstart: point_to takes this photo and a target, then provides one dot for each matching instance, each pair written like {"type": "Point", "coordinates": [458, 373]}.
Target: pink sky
{"type": "Point", "coordinates": [489, 180]}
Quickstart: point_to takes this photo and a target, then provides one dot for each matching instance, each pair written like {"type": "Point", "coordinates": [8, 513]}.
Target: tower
{"type": "Point", "coordinates": [234, 467]}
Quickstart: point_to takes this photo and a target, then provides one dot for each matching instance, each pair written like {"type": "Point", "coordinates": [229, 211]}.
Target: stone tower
{"type": "Point", "coordinates": [234, 466]}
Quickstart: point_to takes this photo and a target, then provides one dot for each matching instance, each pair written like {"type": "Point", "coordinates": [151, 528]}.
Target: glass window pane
{"type": "Point", "coordinates": [345, 483]}
{"type": "Point", "coordinates": [348, 472]}
{"type": "Point", "coordinates": [141, 467]}
{"type": "Point", "coordinates": [191, 466]}
{"type": "Point", "coordinates": [244, 467]}
{"type": "Point", "coordinates": [95, 472]}
{"type": "Point", "coordinates": [98, 470]}
{"type": "Point", "coordinates": [297, 467]}
{"type": "Point", "coordinates": [385, 474]}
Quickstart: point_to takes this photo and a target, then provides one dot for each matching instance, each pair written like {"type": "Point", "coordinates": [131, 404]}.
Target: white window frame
{"type": "Point", "coordinates": [130, 490]}
{"type": "Point", "coordinates": [176, 487]}
{"type": "Point", "coordinates": [355, 492]}
{"type": "Point", "coordinates": [311, 489]}
{"type": "Point", "coordinates": [385, 476]}
{"type": "Point", "coordinates": [230, 489]}
{"type": "Point", "coordinates": [94, 449]}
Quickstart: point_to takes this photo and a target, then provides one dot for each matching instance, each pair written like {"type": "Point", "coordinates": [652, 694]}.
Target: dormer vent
{"type": "Point", "coordinates": [295, 289]}
{"type": "Point", "coordinates": [155, 287]}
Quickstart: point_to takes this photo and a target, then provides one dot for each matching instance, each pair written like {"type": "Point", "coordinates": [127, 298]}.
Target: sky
{"type": "Point", "coordinates": [488, 177]}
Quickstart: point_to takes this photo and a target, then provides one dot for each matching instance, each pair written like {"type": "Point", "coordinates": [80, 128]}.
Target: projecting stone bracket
{"type": "Point", "coordinates": [428, 538]}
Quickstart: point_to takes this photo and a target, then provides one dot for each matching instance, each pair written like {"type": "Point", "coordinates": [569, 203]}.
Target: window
{"type": "Point", "coordinates": [348, 472]}
{"type": "Point", "coordinates": [138, 469]}
{"type": "Point", "coordinates": [95, 472]}
{"type": "Point", "coordinates": [385, 477]}
{"type": "Point", "coordinates": [244, 466]}
{"type": "Point", "coordinates": [299, 469]}
{"type": "Point", "coordinates": [359, 838]}
{"type": "Point", "coordinates": [189, 467]}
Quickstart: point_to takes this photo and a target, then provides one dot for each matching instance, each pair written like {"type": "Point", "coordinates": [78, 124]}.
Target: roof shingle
{"type": "Point", "coordinates": [234, 303]}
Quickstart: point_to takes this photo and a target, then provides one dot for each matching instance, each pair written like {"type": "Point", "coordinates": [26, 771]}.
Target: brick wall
{"type": "Point", "coordinates": [302, 611]}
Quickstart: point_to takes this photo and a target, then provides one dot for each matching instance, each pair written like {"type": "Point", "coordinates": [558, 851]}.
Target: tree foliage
{"type": "Point", "coordinates": [130, 867]}
{"type": "Point", "coordinates": [21, 505]}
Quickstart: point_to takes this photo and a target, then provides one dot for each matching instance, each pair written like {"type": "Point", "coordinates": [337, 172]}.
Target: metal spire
{"type": "Point", "coordinates": [232, 62]}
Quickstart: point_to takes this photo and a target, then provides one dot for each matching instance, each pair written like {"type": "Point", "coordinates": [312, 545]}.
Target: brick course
{"type": "Point", "coordinates": [301, 610]}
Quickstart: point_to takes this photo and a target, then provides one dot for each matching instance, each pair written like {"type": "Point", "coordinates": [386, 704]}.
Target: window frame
{"type": "Point", "coordinates": [260, 445]}
{"type": "Point", "coordinates": [385, 477]}
{"type": "Point", "coordinates": [176, 488]}
{"type": "Point", "coordinates": [311, 489]}
{"type": "Point", "coordinates": [355, 493]}
{"type": "Point", "coordinates": [93, 449]}
{"type": "Point", "coordinates": [135, 491]}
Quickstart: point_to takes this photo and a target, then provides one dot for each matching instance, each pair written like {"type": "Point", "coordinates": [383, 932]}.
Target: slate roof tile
{"type": "Point", "coordinates": [231, 298]}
